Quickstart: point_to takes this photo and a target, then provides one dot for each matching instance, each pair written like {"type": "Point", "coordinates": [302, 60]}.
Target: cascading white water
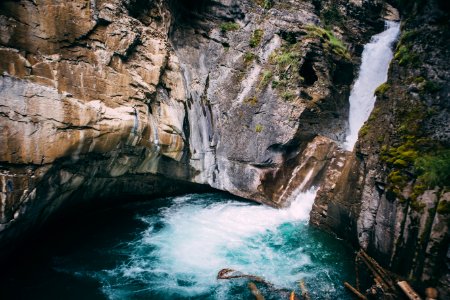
{"type": "Point", "coordinates": [374, 67]}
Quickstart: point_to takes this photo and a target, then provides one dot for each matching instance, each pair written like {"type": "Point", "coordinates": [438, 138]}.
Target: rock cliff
{"type": "Point", "coordinates": [391, 196]}
{"type": "Point", "coordinates": [112, 98]}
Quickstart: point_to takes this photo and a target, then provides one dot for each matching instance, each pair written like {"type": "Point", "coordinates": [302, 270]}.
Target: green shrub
{"type": "Point", "coordinates": [434, 169]}
{"type": "Point", "coordinates": [329, 40]}
{"type": "Point", "coordinates": [382, 89]}
{"type": "Point", "coordinates": [256, 38]}
{"type": "Point", "coordinates": [249, 57]}
{"type": "Point", "coordinates": [229, 26]}
{"type": "Point", "coordinates": [265, 78]}
{"type": "Point", "coordinates": [288, 95]}
{"type": "Point", "coordinates": [443, 207]}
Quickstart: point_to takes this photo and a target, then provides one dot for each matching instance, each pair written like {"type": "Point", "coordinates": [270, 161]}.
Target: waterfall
{"type": "Point", "coordinates": [374, 67]}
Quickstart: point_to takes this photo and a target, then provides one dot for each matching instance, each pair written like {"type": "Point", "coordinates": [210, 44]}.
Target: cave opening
{"type": "Point", "coordinates": [308, 73]}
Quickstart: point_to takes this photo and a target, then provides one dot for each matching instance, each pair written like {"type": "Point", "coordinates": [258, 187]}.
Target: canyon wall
{"type": "Point", "coordinates": [391, 197]}
{"type": "Point", "coordinates": [120, 98]}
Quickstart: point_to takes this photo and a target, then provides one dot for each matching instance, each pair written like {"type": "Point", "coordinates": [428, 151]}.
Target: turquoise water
{"type": "Point", "coordinates": [173, 248]}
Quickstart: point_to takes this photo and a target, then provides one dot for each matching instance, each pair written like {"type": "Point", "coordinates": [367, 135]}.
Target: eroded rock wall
{"type": "Point", "coordinates": [91, 99]}
{"type": "Point", "coordinates": [109, 98]}
{"type": "Point", "coordinates": [391, 195]}
{"type": "Point", "coordinates": [263, 81]}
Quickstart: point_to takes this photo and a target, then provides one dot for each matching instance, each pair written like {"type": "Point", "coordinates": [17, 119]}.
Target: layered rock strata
{"type": "Point", "coordinates": [238, 95]}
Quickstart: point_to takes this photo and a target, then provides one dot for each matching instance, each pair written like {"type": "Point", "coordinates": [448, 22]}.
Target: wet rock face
{"type": "Point", "coordinates": [116, 98]}
{"type": "Point", "coordinates": [262, 84]}
{"type": "Point", "coordinates": [398, 179]}
{"type": "Point", "coordinates": [91, 97]}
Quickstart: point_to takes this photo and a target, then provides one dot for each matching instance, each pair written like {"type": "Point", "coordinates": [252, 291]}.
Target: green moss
{"type": "Point", "coordinates": [259, 128]}
{"type": "Point", "coordinates": [405, 56]}
{"type": "Point", "coordinates": [256, 38]}
{"type": "Point", "coordinates": [397, 178]}
{"type": "Point", "coordinates": [417, 206]}
{"type": "Point", "coordinates": [364, 130]}
{"type": "Point", "coordinates": [400, 163]}
{"type": "Point", "coordinates": [402, 156]}
{"type": "Point", "coordinates": [443, 207]}
{"type": "Point", "coordinates": [229, 26]}
{"type": "Point", "coordinates": [286, 58]}
{"type": "Point", "coordinates": [418, 190]}
{"type": "Point", "coordinates": [408, 36]}
{"type": "Point", "coordinates": [410, 119]}
{"type": "Point", "coordinates": [284, 65]}
{"type": "Point", "coordinates": [382, 89]}
{"type": "Point", "coordinates": [418, 80]}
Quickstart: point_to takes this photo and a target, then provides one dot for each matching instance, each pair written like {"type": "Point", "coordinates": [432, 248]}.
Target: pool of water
{"type": "Point", "coordinates": [173, 248]}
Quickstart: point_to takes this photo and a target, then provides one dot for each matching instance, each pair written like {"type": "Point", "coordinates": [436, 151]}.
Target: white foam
{"type": "Point", "coordinates": [198, 240]}
{"type": "Point", "coordinates": [374, 67]}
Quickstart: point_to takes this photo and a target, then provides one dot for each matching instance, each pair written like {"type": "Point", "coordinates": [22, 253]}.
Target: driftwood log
{"type": "Point", "coordinates": [386, 285]}
{"type": "Point", "coordinates": [305, 293]}
{"type": "Point", "coordinates": [255, 291]}
{"type": "Point", "coordinates": [355, 291]}
{"type": "Point", "coordinates": [234, 274]}
{"type": "Point", "coordinates": [408, 290]}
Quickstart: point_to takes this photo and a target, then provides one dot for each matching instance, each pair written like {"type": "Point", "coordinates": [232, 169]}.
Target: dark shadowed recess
{"type": "Point", "coordinates": [202, 13]}
{"type": "Point", "coordinates": [184, 9]}
{"type": "Point", "coordinates": [32, 272]}
{"type": "Point", "coordinates": [84, 202]}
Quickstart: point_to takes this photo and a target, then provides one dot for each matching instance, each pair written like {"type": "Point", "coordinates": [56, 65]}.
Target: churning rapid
{"type": "Point", "coordinates": [374, 68]}
{"type": "Point", "coordinates": [173, 248]}
{"type": "Point", "coordinates": [188, 242]}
